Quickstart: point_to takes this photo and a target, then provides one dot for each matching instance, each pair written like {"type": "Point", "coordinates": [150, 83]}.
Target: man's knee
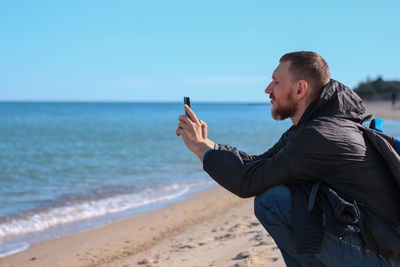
{"type": "Point", "coordinates": [277, 198]}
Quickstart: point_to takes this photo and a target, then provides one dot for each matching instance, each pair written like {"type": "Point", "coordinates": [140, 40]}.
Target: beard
{"type": "Point", "coordinates": [282, 111]}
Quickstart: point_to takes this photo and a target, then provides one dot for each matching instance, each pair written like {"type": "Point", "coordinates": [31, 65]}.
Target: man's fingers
{"type": "Point", "coordinates": [184, 119]}
{"type": "Point", "coordinates": [203, 128]}
{"type": "Point", "coordinates": [182, 125]}
{"type": "Point", "coordinates": [203, 123]}
{"type": "Point", "coordinates": [179, 131]}
{"type": "Point", "coordinates": [191, 114]}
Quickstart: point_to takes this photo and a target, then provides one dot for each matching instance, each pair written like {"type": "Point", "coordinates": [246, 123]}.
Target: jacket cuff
{"type": "Point", "coordinates": [205, 154]}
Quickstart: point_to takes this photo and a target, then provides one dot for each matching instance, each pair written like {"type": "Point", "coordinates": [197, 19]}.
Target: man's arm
{"type": "Point", "coordinates": [304, 155]}
{"type": "Point", "coordinates": [239, 173]}
{"type": "Point", "coordinates": [250, 178]}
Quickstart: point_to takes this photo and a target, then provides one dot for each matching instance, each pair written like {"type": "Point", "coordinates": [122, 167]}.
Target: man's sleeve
{"type": "Point", "coordinates": [247, 178]}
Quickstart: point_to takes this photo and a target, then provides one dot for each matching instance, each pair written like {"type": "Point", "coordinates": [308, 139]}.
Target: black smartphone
{"type": "Point", "coordinates": [186, 100]}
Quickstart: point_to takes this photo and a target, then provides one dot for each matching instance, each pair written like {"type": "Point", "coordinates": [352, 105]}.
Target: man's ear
{"type": "Point", "coordinates": [302, 89]}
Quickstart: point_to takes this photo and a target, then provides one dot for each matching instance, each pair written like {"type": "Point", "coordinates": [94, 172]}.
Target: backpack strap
{"type": "Point", "coordinates": [377, 124]}
{"type": "Point", "coordinates": [388, 147]}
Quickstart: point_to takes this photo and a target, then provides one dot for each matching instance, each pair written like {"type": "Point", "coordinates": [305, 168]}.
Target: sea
{"type": "Point", "coordinates": [70, 167]}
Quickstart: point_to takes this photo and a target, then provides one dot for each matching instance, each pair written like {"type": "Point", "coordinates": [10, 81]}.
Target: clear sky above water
{"type": "Point", "coordinates": [162, 50]}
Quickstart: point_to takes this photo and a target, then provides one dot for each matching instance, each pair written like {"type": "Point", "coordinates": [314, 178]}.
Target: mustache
{"type": "Point", "coordinates": [271, 96]}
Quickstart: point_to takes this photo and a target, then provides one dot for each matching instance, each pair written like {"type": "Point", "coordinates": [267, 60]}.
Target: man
{"type": "Point", "coordinates": [324, 147]}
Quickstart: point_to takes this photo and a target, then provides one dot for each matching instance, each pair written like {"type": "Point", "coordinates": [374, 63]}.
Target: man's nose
{"type": "Point", "coordinates": [268, 90]}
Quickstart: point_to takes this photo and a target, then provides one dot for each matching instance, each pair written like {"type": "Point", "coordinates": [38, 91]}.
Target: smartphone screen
{"type": "Point", "coordinates": [186, 100]}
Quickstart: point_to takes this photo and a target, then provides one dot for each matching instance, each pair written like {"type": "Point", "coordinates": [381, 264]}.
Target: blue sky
{"type": "Point", "coordinates": [218, 51]}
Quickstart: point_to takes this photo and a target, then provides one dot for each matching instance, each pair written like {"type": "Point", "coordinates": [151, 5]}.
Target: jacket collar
{"type": "Point", "coordinates": [335, 100]}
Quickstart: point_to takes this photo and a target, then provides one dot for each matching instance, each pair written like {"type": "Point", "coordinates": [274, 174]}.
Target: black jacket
{"type": "Point", "coordinates": [328, 144]}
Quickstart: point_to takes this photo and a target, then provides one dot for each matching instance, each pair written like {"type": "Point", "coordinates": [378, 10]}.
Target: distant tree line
{"type": "Point", "coordinates": [377, 89]}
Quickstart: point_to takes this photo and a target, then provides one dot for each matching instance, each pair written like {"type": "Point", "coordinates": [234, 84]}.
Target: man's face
{"type": "Point", "coordinates": [282, 92]}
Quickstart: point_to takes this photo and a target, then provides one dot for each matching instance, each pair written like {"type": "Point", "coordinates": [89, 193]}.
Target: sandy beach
{"type": "Point", "coordinates": [383, 109]}
{"type": "Point", "coordinates": [211, 228]}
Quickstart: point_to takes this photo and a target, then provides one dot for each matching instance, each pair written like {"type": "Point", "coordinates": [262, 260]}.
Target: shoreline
{"type": "Point", "coordinates": [21, 241]}
{"type": "Point", "coordinates": [121, 241]}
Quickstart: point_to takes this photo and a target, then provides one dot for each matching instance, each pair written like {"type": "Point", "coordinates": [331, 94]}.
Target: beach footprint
{"type": "Point", "coordinates": [255, 257]}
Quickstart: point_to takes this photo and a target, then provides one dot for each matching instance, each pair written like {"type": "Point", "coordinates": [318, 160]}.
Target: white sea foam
{"type": "Point", "coordinates": [8, 249]}
{"type": "Point", "coordinates": [39, 221]}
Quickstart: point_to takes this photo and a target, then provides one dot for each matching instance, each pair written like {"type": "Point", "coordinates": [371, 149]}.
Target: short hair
{"type": "Point", "coordinates": [308, 66]}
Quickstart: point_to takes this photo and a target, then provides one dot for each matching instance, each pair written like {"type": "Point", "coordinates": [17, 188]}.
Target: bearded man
{"type": "Point", "coordinates": [323, 191]}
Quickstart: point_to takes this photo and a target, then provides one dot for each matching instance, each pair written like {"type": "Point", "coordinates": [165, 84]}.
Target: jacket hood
{"type": "Point", "coordinates": [336, 100]}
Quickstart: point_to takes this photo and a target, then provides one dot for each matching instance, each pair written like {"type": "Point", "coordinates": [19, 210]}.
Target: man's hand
{"type": "Point", "coordinates": [194, 133]}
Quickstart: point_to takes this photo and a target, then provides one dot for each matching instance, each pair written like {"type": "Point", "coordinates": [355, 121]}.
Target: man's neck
{"type": "Point", "coordinates": [295, 119]}
{"type": "Point", "coordinates": [302, 108]}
